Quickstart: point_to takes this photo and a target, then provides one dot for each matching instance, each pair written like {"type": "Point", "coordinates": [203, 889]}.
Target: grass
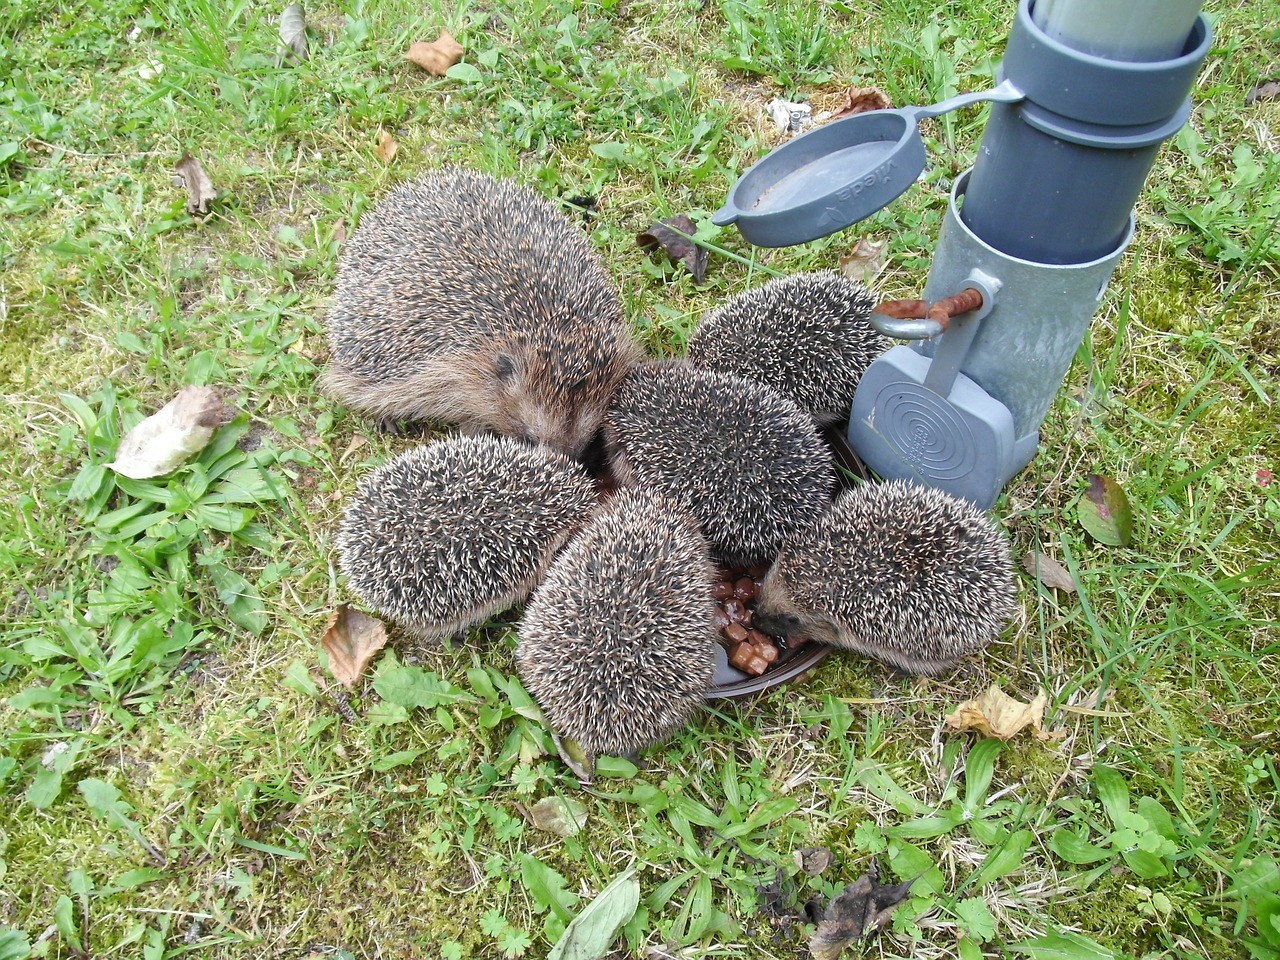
{"type": "Point", "coordinates": [180, 776]}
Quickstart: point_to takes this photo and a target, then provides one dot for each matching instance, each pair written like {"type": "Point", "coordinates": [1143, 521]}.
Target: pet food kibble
{"type": "Point", "coordinates": [766, 652]}
{"type": "Point", "coordinates": [720, 619]}
{"type": "Point", "coordinates": [723, 590]}
{"type": "Point", "coordinates": [745, 589]}
{"type": "Point", "coordinates": [735, 610]}
{"type": "Point", "coordinates": [736, 632]}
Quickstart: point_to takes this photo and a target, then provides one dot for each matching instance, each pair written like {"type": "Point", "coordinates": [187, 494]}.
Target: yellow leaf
{"type": "Point", "coordinates": [996, 714]}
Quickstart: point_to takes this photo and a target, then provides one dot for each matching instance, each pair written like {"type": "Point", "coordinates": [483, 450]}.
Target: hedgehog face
{"type": "Point", "coordinates": [778, 614]}
{"type": "Point", "coordinates": [556, 393]}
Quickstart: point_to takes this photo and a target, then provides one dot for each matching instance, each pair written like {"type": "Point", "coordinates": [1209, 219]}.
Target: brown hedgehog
{"type": "Point", "coordinates": [617, 644]}
{"type": "Point", "coordinates": [745, 461]}
{"type": "Point", "coordinates": [909, 575]}
{"type": "Point", "coordinates": [808, 336]}
{"type": "Point", "coordinates": [447, 534]}
{"type": "Point", "coordinates": [473, 301]}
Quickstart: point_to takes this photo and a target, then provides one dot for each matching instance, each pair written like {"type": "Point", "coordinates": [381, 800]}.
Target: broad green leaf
{"type": "Point", "coordinates": [1259, 875]}
{"type": "Point", "coordinates": [975, 918]}
{"type": "Point", "coordinates": [45, 787]}
{"type": "Point", "coordinates": [615, 767]}
{"type": "Point", "coordinates": [1072, 848]}
{"type": "Point", "coordinates": [1113, 793]}
{"type": "Point", "coordinates": [1146, 865]}
{"type": "Point", "coordinates": [104, 800]}
{"type": "Point", "coordinates": [14, 945]}
{"type": "Point", "coordinates": [979, 767]}
{"type": "Point", "coordinates": [64, 919]}
{"type": "Point", "coordinates": [409, 687]}
{"type": "Point", "coordinates": [1104, 511]}
{"type": "Point", "coordinates": [1266, 915]}
{"type": "Point", "coordinates": [241, 598]}
{"type": "Point", "coordinates": [397, 759]}
{"type": "Point", "coordinates": [547, 887]}
{"type": "Point", "coordinates": [1004, 859]}
{"type": "Point", "coordinates": [610, 150]}
{"type": "Point", "coordinates": [1060, 945]}
{"type": "Point", "coordinates": [88, 481]}
{"type": "Point", "coordinates": [593, 931]}
{"type": "Point", "coordinates": [464, 72]}
{"type": "Point", "coordinates": [924, 828]}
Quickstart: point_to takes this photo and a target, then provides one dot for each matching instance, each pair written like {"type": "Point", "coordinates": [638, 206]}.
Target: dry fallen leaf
{"type": "Point", "coordinates": [173, 434]}
{"type": "Point", "coordinates": [387, 147]}
{"type": "Point", "coordinates": [562, 816]}
{"type": "Point", "coordinates": [996, 714]}
{"type": "Point", "coordinates": [813, 860]}
{"type": "Point", "coordinates": [669, 234]}
{"type": "Point", "coordinates": [863, 100]}
{"type": "Point", "coordinates": [1262, 91]}
{"type": "Point", "coordinates": [293, 33]}
{"type": "Point", "coordinates": [1048, 571]}
{"type": "Point", "coordinates": [864, 907]}
{"type": "Point", "coordinates": [865, 261]}
{"type": "Point", "coordinates": [200, 189]}
{"type": "Point", "coordinates": [437, 56]}
{"type": "Point", "coordinates": [352, 639]}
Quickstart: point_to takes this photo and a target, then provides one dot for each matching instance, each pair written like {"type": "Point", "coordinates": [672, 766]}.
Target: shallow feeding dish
{"type": "Point", "coordinates": [836, 175]}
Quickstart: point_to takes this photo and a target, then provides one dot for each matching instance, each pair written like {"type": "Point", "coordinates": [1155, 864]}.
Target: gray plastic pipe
{"type": "Point", "coordinates": [1137, 30]}
{"type": "Point", "coordinates": [1037, 226]}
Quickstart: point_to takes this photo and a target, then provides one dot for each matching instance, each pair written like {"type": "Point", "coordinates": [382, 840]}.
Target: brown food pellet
{"type": "Point", "coordinates": [736, 632]}
{"type": "Point", "coordinates": [735, 610]}
{"type": "Point", "coordinates": [757, 665]}
{"type": "Point", "coordinates": [741, 655]}
{"type": "Point", "coordinates": [766, 652]}
{"type": "Point", "coordinates": [720, 619]}
{"type": "Point", "coordinates": [757, 637]}
{"type": "Point", "coordinates": [747, 617]}
{"type": "Point", "coordinates": [745, 589]}
{"type": "Point", "coordinates": [723, 590]}
{"type": "Point", "coordinates": [795, 643]}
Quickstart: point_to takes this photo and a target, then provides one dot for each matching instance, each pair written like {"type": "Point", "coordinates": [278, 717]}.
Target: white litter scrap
{"type": "Point", "coordinates": [167, 439]}
{"type": "Point", "coordinates": [790, 117]}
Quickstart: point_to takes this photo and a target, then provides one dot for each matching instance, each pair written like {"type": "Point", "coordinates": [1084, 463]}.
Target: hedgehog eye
{"type": "Point", "coordinates": [505, 365]}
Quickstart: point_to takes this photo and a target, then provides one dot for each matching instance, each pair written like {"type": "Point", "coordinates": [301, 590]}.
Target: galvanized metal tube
{"type": "Point", "coordinates": [1133, 30]}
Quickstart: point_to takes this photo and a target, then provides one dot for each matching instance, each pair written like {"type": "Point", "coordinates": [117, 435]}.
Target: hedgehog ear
{"type": "Point", "coordinates": [505, 366]}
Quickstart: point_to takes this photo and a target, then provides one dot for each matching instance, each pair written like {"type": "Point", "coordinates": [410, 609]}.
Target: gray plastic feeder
{"type": "Point", "coordinates": [1089, 90]}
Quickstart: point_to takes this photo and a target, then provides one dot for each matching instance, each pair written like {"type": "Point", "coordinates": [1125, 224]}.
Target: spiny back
{"type": "Point", "coordinates": [460, 258]}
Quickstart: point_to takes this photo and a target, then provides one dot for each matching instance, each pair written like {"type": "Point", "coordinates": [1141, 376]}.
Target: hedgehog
{"type": "Point", "coordinates": [808, 336]}
{"type": "Point", "coordinates": [447, 534]}
{"type": "Point", "coordinates": [911, 576]}
{"type": "Point", "coordinates": [745, 461]}
{"type": "Point", "coordinates": [617, 644]}
{"type": "Point", "coordinates": [468, 300]}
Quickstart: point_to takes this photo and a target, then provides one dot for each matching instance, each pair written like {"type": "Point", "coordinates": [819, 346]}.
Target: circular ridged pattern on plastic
{"type": "Point", "coordinates": [927, 430]}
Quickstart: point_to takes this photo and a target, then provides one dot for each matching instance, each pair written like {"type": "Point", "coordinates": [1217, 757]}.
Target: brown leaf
{"type": "Point", "coordinates": [387, 147]}
{"type": "Point", "coordinates": [293, 33]}
{"type": "Point", "coordinates": [813, 860]}
{"type": "Point", "coordinates": [173, 434]}
{"type": "Point", "coordinates": [562, 816]}
{"type": "Point", "coordinates": [669, 234]}
{"type": "Point", "coordinates": [863, 100]}
{"type": "Point", "coordinates": [352, 639]}
{"type": "Point", "coordinates": [200, 189]}
{"type": "Point", "coordinates": [1262, 91]}
{"type": "Point", "coordinates": [865, 261]}
{"type": "Point", "coordinates": [864, 907]}
{"type": "Point", "coordinates": [437, 56]}
{"type": "Point", "coordinates": [1048, 571]}
{"type": "Point", "coordinates": [996, 714]}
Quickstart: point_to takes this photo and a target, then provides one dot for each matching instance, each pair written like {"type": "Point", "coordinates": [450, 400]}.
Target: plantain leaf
{"type": "Point", "coordinates": [1104, 511]}
{"type": "Point", "coordinates": [592, 932]}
